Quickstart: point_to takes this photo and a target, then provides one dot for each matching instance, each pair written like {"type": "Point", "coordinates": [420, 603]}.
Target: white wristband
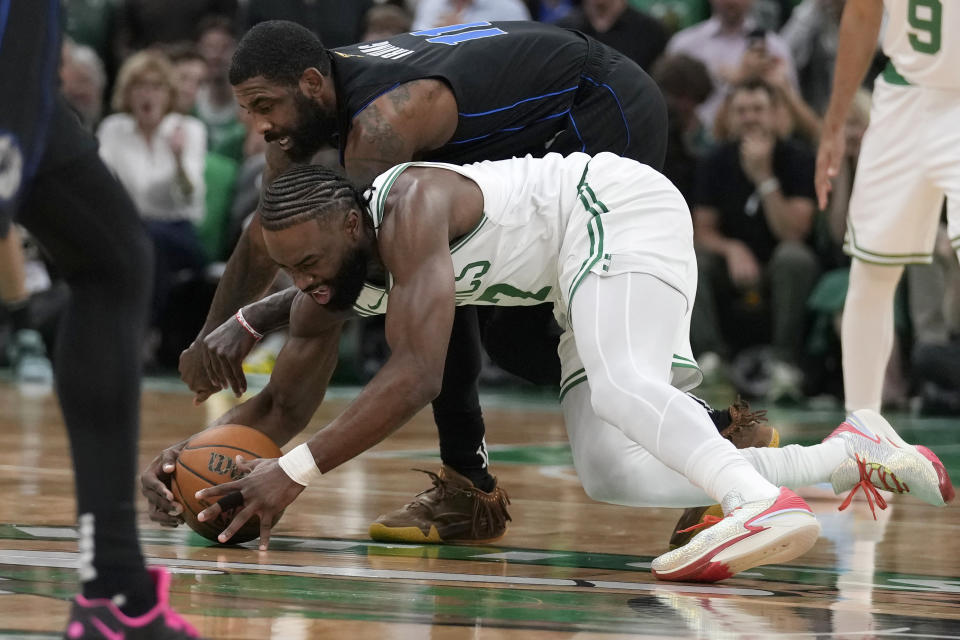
{"type": "Point", "coordinates": [300, 465]}
{"type": "Point", "coordinates": [246, 325]}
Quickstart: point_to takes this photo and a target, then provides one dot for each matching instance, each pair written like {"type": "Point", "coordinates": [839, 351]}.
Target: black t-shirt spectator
{"type": "Point", "coordinates": [722, 184]}
{"type": "Point", "coordinates": [336, 22]}
{"type": "Point", "coordinates": [636, 35]}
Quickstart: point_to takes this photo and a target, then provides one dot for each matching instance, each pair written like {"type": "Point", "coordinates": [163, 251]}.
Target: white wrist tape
{"type": "Point", "coordinates": [300, 465]}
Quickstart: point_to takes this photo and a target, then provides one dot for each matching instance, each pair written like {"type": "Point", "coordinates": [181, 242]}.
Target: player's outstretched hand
{"type": "Point", "coordinates": [264, 493]}
{"type": "Point", "coordinates": [193, 371]}
{"type": "Point", "coordinates": [829, 155]}
{"type": "Point", "coordinates": [226, 347]}
{"type": "Point", "coordinates": [155, 486]}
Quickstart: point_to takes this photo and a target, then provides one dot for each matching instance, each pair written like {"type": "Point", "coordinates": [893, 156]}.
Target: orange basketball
{"type": "Point", "coordinates": [208, 460]}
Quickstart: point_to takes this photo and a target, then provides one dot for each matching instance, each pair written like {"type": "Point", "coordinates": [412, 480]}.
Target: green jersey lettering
{"type": "Point", "coordinates": [926, 16]}
{"type": "Point", "coordinates": [472, 274]}
{"type": "Point", "coordinates": [491, 293]}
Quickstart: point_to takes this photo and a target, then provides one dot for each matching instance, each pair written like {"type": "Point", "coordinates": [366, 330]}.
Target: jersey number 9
{"type": "Point", "coordinates": [926, 17]}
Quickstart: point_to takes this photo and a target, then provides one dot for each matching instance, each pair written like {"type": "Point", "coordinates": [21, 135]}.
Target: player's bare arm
{"type": "Point", "coordinates": [414, 249]}
{"type": "Point", "coordinates": [227, 345]}
{"type": "Point", "coordinates": [248, 273]}
{"type": "Point", "coordinates": [283, 408]}
{"type": "Point", "coordinates": [859, 29]}
{"type": "Point", "coordinates": [399, 126]}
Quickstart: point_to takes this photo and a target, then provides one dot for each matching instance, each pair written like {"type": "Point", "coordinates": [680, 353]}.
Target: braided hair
{"type": "Point", "coordinates": [308, 192]}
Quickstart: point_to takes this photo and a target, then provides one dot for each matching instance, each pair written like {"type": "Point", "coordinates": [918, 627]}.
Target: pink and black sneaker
{"type": "Point", "coordinates": [103, 620]}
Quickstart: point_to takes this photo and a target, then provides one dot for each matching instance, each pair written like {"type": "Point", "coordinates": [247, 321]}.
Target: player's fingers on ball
{"type": "Point", "coordinates": [210, 513]}
{"type": "Point", "coordinates": [247, 466]}
{"type": "Point", "coordinates": [164, 519]}
{"type": "Point", "coordinates": [155, 490]}
{"type": "Point", "coordinates": [238, 521]}
{"type": "Point", "coordinates": [218, 490]}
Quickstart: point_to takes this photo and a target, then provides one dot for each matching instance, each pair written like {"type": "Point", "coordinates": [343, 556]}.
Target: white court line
{"type": "Point", "coordinates": [66, 559]}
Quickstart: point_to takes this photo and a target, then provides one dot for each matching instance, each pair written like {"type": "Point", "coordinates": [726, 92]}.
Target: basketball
{"type": "Point", "coordinates": [208, 460]}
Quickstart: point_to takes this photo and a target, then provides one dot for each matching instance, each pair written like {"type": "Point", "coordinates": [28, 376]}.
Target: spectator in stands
{"type": "Point", "coordinates": [549, 11]}
{"type": "Point", "coordinates": [685, 83]}
{"type": "Point", "coordinates": [793, 116]}
{"type": "Point", "coordinates": [934, 304]}
{"type": "Point", "coordinates": [336, 22]}
{"type": "Point", "coordinates": [158, 156]}
{"type": "Point", "coordinates": [93, 23]}
{"type": "Point", "coordinates": [441, 13]}
{"type": "Point", "coordinates": [25, 350]}
{"type": "Point", "coordinates": [811, 33]}
{"type": "Point", "coordinates": [191, 71]}
{"type": "Point", "coordinates": [675, 14]}
{"type": "Point", "coordinates": [385, 20]}
{"type": "Point", "coordinates": [143, 23]}
{"type": "Point", "coordinates": [772, 14]}
{"type": "Point", "coordinates": [82, 82]}
{"type": "Point", "coordinates": [753, 213]}
{"type": "Point", "coordinates": [215, 105]}
{"type": "Point", "coordinates": [612, 22]}
{"type": "Point", "coordinates": [721, 42]}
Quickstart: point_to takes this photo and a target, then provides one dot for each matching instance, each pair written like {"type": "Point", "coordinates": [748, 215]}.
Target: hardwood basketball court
{"type": "Point", "coordinates": [567, 568]}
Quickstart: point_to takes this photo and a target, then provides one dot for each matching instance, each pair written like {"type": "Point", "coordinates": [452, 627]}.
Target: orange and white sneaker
{"type": "Point", "coordinates": [880, 459]}
{"type": "Point", "coordinates": [749, 535]}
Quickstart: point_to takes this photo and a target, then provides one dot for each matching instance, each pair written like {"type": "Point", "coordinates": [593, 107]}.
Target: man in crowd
{"type": "Point", "coordinates": [753, 213]}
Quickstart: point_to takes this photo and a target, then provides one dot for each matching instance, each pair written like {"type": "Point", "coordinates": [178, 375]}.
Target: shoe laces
{"type": "Point", "coordinates": [708, 521]}
{"type": "Point", "coordinates": [489, 508]}
{"type": "Point", "coordinates": [439, 484]}
{"type": "Point", "coordinates": [874, 499]}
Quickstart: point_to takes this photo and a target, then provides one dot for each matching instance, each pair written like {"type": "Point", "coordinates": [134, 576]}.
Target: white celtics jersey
{"type": "Point", "coordinates": [510, 257]}
{"type": "Point", "coordinates": [923, 41]}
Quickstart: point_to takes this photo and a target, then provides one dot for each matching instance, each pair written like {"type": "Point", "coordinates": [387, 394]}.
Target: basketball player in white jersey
{"type": "Point", "coordinates": [909, 161]}
{"type": "Point", "coordinates": [610, 243]}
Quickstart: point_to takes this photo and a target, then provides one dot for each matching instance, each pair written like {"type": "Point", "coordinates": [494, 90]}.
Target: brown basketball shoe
{"type": "Point", "coordinates": [747, 429]}
{"type": "Point", "coordinates": [453, 510]}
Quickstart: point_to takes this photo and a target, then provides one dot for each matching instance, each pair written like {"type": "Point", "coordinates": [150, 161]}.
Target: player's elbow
{"type": "Point", "coordinates": [422, 383]}
{"type": "Point", "coordinates": [428, 385]}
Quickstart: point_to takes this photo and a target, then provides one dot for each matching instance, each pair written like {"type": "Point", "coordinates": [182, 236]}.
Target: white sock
{"type": "Point", "coordinates": [796, 466]}
{"type": "Point", "coordinates": [867, 333]}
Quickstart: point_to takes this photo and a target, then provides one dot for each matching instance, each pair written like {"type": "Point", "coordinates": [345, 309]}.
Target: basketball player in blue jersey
{"type": "Point", "coordinates": [606, 241]}
{"type": "Point", "coordinates": [480, 91]}
{"type": "Point", "coordinates": [53, 183]}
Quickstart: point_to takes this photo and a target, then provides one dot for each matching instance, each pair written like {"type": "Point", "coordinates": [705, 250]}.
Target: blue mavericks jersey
{"type": "Point", "coordinates": [514, 82]}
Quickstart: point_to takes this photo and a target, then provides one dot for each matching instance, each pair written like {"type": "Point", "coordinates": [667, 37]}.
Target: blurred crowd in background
{"type": "Point", "coordinates": [745, 81]}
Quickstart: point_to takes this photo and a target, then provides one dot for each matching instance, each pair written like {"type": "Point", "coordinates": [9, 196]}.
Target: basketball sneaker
{"type": "Point", "coordinates": [453, 510]}
{"type": "Point", "coordinates": [745, 429]}
{"type": "Point", "coordinates": [103, 620]}
{"type": "Point", "coordinates": [749, 535]}
{"type": "Point", "coordinates": [880, 459]}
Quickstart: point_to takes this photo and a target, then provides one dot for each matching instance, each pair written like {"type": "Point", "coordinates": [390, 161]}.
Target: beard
{"type": "Point", "coordinates": [348, 283]}
{"type": "Point", "coordinates": [314, 128]}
